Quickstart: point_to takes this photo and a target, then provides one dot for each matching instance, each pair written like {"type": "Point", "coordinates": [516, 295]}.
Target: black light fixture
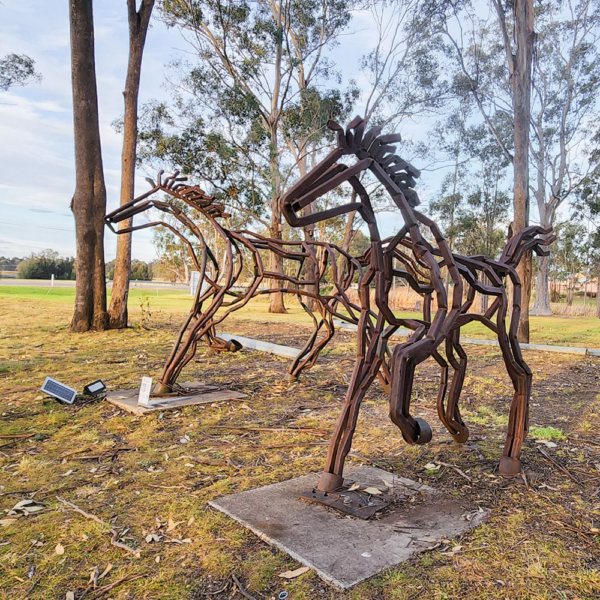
{"type": "Point", "coordinates": [94, 388]}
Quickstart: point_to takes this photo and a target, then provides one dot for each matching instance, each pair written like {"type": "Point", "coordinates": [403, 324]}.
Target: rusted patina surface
{"type": "Point", "coordinates": [423, 252]}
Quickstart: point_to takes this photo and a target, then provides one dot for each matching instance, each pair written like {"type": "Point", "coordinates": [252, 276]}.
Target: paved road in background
{"type": "Point", "coordinates": [145, 285]}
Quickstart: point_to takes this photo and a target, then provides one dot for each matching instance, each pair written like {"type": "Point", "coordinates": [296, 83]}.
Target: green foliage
{"type": "Point", "coordinates": [472, 206]}
{"type": "Point", "coordinates": [17, 69]}
{"type": "Point", "coordinates": [9, 264]}
{"type": "Point", "coordinates": [546, 433]}
{"type": "Point", "coordinates": [569, 251]}
{"type": "Point", "coordinates": [255, 103]}
{"type": "Point", "coordinates": [140, 271]}
{"type": "Point", "coordinates": [45, 264]}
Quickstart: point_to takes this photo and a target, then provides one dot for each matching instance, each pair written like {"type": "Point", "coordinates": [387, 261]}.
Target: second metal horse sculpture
{"type": "Point", "coordinates": [224, 267]}
{"type": "Point", "coordinates": [376, 153]}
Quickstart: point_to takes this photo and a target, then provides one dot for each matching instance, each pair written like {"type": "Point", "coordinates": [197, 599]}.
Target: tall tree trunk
{"type": "Point", "coordinates": [541, 305]}
{"type": "Point", "coordinates": [310, 268]}
{"type": "Point", "coordinates": [598, 292]}
{"type": "Point", "coordinates": [89, 200]}
{"type": "Point", "coordinates": [484, 298]}
{"type": "Point", "coordinates": [349, 231]}
{"type": "Point", "coordinates": [521, 82]}
{"type": "Point", "coordinates": [276, 264]}
{"type": "Point", "coordinates": [138, 27]}
{"type": "Point", "coordinates": [309, 236]}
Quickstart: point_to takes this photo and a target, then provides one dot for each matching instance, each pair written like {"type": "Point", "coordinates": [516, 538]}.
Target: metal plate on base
{"type": "Point", "coordinates": [357, 503]}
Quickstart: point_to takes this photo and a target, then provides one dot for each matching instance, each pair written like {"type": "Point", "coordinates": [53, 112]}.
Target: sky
{"type": "Point", "coordinates": [37, 171]}
{"type": "Point", "coordinates": [37, 174]}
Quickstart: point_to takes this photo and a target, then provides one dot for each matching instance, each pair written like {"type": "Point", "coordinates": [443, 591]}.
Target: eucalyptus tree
{"type": "Point", "coordinates": [401, 70]}
{"type": "Point", "coordinates": [17, 70]}
{"type": "Point", "coordinates": [488, 48]}
{"type": "Point", "coordinates": [472, 204]}
{"type": "Point", "coordinates": [480, 224]}
{"type": "Point", "coordinates": [89, 200]}
{"type": "Point", "coordinates": [587, 208]}
{"type": "Point", "coordinates": [569, 255]}
{"type": "Point", "coordinates": [138, 20]}
{"type": "Point", "coordinates": [449, 143]}
{"type": "Point", "coordinates": [257, 60]}
{"type": "Point", "coordinates": [490, 53]}
{"type": "Point", "coordinates": [565, 82]}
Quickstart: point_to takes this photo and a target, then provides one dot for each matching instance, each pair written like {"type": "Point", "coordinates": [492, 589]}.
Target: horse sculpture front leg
{"type": "Point", "coordinates": [365, 370]}
{"type": "Point", "coordinates": [450, 416]}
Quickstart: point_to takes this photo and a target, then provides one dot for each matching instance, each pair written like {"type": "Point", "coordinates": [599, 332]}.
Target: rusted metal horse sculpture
{"type": "Point", "coordinates": [376, 153]}
{"type": "Point", "coordinates": [221, 272]}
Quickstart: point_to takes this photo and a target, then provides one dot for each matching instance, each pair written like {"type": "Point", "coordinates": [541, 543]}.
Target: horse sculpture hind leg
{"type": "Point", "coordinates": [405, 359]}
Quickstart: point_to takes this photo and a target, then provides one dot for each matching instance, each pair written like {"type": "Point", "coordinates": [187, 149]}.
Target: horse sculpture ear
{"type": "Point", "coordinates": [334, 126]}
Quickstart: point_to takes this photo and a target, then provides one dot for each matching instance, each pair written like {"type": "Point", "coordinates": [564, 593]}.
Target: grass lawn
{"type": "Point", "coordinates": [147, 480]}
{"type": "Point", "coordinates": [557, 330]}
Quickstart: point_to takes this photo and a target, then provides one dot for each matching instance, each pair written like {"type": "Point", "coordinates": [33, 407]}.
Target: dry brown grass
{"type": "Point", "coordinates": [540, 543]}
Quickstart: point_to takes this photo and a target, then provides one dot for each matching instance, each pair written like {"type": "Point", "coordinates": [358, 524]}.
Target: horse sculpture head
{"type": "Point", "coordinates": [173, 185]}
{"type": "Point", "coordinates": [374, 152]}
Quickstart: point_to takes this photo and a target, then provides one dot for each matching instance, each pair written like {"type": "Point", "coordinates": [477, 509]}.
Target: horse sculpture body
{"type": "Point", "coordinates": [220, 273]}
{"type": "Point", "coordinates": [423, 261]}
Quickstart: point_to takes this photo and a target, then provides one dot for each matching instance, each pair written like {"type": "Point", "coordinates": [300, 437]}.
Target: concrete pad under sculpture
{"type": "Point", "coordinates": [345, 550]}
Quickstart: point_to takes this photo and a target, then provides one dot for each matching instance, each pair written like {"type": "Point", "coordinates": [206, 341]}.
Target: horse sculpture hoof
{"type": "Point", "coordinates": [509, 466]}
{"type": "Point", "coordinates": [425, 433]}
{"type": "Point", "coordinates": [462, 436]}
{"type": "Point", "coordinates": [330, 482]}
{"type": "Point", "coordinates": [234, 346]}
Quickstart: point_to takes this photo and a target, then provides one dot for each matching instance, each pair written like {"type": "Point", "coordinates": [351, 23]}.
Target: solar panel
{"type": "Point", "coordinates": [58, 390]}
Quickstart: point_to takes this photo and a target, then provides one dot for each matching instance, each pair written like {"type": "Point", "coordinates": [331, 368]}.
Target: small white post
{"type": "Point", "coordinates": [52, 280]}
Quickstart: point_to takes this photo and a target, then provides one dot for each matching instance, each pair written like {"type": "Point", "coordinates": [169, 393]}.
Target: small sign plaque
{"type": "Point", "coordinates": [145, 389]}
{"type": "Point", "coordinates": [194, 282]}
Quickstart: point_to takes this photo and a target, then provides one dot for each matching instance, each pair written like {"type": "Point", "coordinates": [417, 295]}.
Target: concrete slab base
{"type": "Point", "coordinates": [344, 550]}
{"type": "Point", "coordinates": [128, 399]}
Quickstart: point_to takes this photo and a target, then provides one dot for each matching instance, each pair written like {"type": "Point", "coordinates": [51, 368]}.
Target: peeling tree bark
{"type": "Point", "coordinates": [541, 305]}
{"type": "Point", "coordinates": [89, 200]}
